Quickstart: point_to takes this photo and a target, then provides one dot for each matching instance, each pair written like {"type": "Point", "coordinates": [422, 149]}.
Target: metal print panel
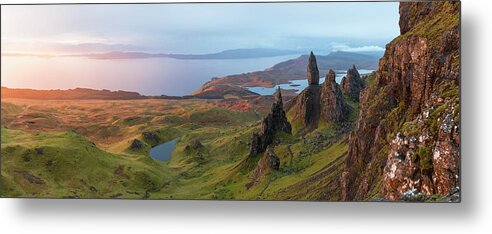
{"type": "Point", "coordinates": [326, 101]}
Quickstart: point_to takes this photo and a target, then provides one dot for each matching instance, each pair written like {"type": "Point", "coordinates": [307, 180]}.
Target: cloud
{"type": "Point", "coordinates": [335, 46]}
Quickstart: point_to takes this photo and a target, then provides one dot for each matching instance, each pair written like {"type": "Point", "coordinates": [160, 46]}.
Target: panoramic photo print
{"type": "Point", "coordinates": [309, 101]}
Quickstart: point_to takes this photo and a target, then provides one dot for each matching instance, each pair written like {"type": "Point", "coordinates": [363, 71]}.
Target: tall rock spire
{"type": "Point", "coordinates": [307, 103]}
{"type": "Point", "coordinates": [278, 97]}
{"type": "Point", "coordinates": [312, 70]}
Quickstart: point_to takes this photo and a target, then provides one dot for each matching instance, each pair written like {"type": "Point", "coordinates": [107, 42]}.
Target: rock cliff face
{"type": "Point", "coordinates": [352, 84]}
{"type": "Point", "coordinates": [407, 135]}
{"type": "Point", "coordinates": [333, 107]}
{"type": "Point", "coordinates": [319, 102]}
{"type": "Point", "coordinates": [276, 121]}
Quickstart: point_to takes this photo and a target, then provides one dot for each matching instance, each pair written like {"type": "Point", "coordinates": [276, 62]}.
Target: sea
{"type": "Point", "coordinates": [148, 76]}
{"type": "Point", "coordinates": [299, 85]}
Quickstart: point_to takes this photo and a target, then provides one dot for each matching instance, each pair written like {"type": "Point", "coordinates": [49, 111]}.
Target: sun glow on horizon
{"type": "Point", "coordinates": [45, 46]}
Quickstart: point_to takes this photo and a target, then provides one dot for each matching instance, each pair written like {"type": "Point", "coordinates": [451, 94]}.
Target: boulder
{"type": "Point", "coordinates": [151, 137]}
{"type": "Point", "coordinates": [136, 145]}
{"type": "Point", "coordinates": [197, 144]}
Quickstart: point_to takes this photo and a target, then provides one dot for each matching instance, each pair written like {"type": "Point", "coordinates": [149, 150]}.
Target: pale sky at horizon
{"type": "Point", "coordinates": [199, 28]}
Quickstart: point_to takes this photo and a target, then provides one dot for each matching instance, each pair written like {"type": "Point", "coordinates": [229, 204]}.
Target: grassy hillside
{"type": "Point", "coordinates": [51, 149]}
{"type": "Point", "coordinates": [68, 165]}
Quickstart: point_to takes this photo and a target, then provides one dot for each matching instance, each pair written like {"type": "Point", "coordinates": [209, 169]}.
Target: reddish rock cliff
{"type": "Point", "coordinates": [407, 135]}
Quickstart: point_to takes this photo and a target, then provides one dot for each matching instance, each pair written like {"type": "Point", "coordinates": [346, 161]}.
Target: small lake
{"type": "Point", "coordinates": [300, 85]}
{"type": "Point", "coordinates": [163, 151]}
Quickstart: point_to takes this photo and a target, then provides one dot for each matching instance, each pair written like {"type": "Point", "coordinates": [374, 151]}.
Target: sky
{"type": "Point", "coordinates": [198, 28]}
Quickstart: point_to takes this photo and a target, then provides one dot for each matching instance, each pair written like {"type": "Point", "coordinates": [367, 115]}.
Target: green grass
{"type": "Point", "coordinates": [71, 166]}
{"type": "Point", "coordinates": [432, 29]}
{"type": "Point", "coordinates": [67, 164]}
{"type": "Point", "coordinates": [425, 154]}
{"type": "Point", "coordinates": [136, 120]}
{"type": "Point", "coordinates": [218, 116]}
{"type": "Point", "coordinates": [310, 177]}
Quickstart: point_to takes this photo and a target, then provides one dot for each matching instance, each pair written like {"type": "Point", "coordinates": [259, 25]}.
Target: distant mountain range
{"type": "Point", "coordinates": [226, 54]}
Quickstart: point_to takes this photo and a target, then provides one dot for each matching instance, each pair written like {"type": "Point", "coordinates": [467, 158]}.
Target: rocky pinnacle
{"type": "Point", "coordinates": [312, 70]}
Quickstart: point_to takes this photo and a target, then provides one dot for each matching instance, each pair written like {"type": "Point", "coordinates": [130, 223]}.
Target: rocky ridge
{"type": "Point", "coordinates": [407, 134]}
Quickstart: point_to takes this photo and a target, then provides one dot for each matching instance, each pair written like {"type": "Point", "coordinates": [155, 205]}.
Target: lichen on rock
{"type": "Point", "coordinates": [407, 134]}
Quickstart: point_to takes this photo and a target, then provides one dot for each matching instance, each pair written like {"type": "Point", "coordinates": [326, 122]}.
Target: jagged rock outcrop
{"type": "Point", "coordinates": [333, 106]}
{"type": "Point", "coordinates": [319, 102]}
{"type": "Point", "coordinates": [269, 161]}
{"type": "Point", "coordinates": [136, 145]}
{"type": "Point", "coordinates": [195, 146]}
{"type": "Point", "coordinates": [407, 134]}
{"type": "Point", "coordinates": [276, 121]}
{"type": "Point", "coordinates": [151, 137]}
{"type": "Point", "coordinates": [352, 83]}
{"type": "Point", "coordinates": [312, 70]}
